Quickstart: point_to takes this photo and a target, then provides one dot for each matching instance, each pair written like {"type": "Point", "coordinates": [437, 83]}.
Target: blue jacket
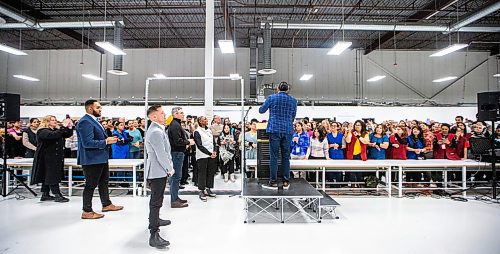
{"type": "Point", "coordinates": [282, 110]}
{"type": "Point", "coordinates": [92, 148]}
{"type": "Point", "coordinates": [121, 149]}
{"type": "Point", "coordinates": [300, 148]}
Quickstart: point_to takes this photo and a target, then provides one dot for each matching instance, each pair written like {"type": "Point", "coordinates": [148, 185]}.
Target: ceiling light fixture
{"type": "Point", "coordinates": [339, 48]}
{"type": "Point", "coordinates": [235, 76]}
{"type": "Point", "coordinates": [439, 80]}
{"type": "Point", "coordinates": [376, 78]}
{"type": "Point", "coordinates": [266, 71]}
{"type": "Point", "coordinates": [110, 47]}
{"type": "Point", "coordinates": [26, 77]}
{"type": "Point", "coordinates": [118, 72]}
{"type": "Point", "coordinates": [306, 77]}
{"type": "Point", "coordinates": [12, 50]}
{"type": "Point", "coordinates": [92, 77]}
{"type": "Point", "coordinates": [496, 75]}
{"type": "Point", "coordinates": [226, 46]}
{"type": "Point", "coordinates": [449, 49]}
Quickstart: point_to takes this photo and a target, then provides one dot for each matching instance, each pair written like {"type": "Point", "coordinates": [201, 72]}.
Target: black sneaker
{"type": "Point", "coordinates": [202, 196]}
{"type": "Point", "coordinates": [210, 193]}
{"type": "Point", "coordinates": [270, 186]}
{"type": "Point", "coordinates": [286, 185]}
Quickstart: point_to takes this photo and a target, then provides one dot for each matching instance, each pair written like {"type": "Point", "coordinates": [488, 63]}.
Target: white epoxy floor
{"type": "Point", "coordinates": [366, 225]}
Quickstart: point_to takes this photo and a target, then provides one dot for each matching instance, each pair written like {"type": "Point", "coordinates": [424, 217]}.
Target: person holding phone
{"type": "Point", "coordinates": [121, 149]}
{"type": "Point", "coordinates": [159, 166]}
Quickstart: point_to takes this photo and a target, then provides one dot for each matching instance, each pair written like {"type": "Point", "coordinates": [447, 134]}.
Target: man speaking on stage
{"type": "Point", "coordinates": [282, 111]}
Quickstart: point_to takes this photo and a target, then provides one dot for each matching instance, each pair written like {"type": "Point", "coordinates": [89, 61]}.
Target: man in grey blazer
{"type": "Point", "coordinates": [158, 167]}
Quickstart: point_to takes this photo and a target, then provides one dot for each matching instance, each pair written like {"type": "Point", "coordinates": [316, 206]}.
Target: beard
{"type": "Point", "coordinates": [94, 113]}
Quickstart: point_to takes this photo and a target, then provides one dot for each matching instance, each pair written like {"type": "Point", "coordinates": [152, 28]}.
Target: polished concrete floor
{"type": "Point", "coordinates": [366, 225]}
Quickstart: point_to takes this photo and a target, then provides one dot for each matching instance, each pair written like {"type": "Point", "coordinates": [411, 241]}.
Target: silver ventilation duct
{"type": "Point", "coordinates": [118, 59]}
{"type": "Point", "coordinates": [267, 51]}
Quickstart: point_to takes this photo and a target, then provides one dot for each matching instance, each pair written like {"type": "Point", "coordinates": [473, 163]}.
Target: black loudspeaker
{"type": "Point", "coordinates": [488, 106]}
{"type": "Point", "coordinates": [9, 107]}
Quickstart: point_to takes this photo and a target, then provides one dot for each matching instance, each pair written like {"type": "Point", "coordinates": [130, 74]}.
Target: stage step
{"type": "Point", "coordinates": [326, 200]}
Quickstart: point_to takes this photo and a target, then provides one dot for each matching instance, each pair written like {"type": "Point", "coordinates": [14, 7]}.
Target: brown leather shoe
{"type": "Point", "coordinates": [91, 215]}
{"type": "Point", "coordinates": [178, 204]}
{"type": "Point", "coordinates": [112, 208]}
{"type": "Point", "coordinates": [182, 200]}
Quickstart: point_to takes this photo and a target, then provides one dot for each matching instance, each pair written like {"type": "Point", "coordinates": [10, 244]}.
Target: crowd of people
{"type": "Point", "coordinates": [312, 139]}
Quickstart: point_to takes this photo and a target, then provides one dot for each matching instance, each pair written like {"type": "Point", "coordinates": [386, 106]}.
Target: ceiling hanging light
{"type": "Point", "coordinates": [376, 78]}
{"type": "Point", "coordinates": [340, 46]}
{"type": "Point", "coordinates": [449, 49]}
{"type": "Point", "coordinates": [160, 76]}
{"type": "Point", "coordinates": [108, 46]}
{"type": "Point", "coordinates": [439, 80]}
{"type": "Point", "coordinates": [12, 50]}
{"type": "Point", "coordinates": [92, 77]}
{"type": "Point", "coordinates": [28, 78]}
{"type": "Point", "coordinates": [226, 46]}
{"type": "Point", "coordinates": [496, 75]}
{"type": "Point", "coordinates": [306, 77]}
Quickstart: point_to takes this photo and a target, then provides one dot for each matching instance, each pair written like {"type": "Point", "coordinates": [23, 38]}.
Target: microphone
{"type": "Point", "coordinates": [250, 107]}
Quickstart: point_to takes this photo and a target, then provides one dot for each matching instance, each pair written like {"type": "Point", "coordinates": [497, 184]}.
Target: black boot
{"type": "Point", "coordinates": [46, 197]}
{"type": "Point", "coordinates": [156, 241]}
{"type": "Point", "coordinates": [164, 222]}
{"type": "Point", "coordinates": [60, 198]}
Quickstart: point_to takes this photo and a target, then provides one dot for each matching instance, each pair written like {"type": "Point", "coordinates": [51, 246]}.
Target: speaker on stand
{"type": "Point", "coordinates": [488, 109]}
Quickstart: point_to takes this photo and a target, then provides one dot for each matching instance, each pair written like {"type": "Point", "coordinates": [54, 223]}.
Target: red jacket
{"type": "Point", "coordinates": [397, 153]}
{"type": "Point", "coordinates": [452, 153]}
{"type": "Point", "coordinates": [350, 149]}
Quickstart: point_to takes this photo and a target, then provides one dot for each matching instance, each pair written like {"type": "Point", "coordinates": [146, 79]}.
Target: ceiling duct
{"type": "Point", "coordinates": [479, 14]}
{"type": "Point", "coordinates": [267, 51]}
{"type": "Point", "coordinates": [118, 59]}
{"type": "Point", "coordinates": [400, 27]}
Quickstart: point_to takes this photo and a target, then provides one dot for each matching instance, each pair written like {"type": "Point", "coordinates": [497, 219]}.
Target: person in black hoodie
{"type": "Point", "coordinates": [179, 144]}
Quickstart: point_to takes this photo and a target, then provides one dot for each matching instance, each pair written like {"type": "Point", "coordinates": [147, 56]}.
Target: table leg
{"type": "Point", "coordinates": [400, 181]}
{"type": "Point", "coordinates": [389, 182]}
{"type": "Point", "coordinates": [445, 179]}
{"type": "Point", "coordinates": [324, 178]}
{"type": "Point", "coordinates": [464, 181]}
{"type": "Point", "coordinates": [70, 181]}
{"type": "Point", "coordinates": [377, 175]}
{"type": "Point", "coordinates": [134, 181]}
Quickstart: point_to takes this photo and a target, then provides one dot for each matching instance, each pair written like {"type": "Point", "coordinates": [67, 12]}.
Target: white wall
{"type": "Point", "coordinates": [442, 114]}
{"type": "Point", "coordinates": [334, 76]}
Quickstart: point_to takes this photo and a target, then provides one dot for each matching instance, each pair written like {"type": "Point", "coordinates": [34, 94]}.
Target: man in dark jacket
{"type": "Point", "coordinates": [179, 144]}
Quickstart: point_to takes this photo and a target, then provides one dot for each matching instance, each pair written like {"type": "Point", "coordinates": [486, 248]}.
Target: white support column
{"type": "Point", "coordinates": [209, 59]}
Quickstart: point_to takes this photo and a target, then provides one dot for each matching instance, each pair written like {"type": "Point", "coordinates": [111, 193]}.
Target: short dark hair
{"type": "Point", "coordinates": [461, 117]}
{"type": "Point", "coordinates": [254, 121]}
{"type": "Point", "coordinates": [152, 109]}
{"type": "Point", "coordinates": [283, 86]}
{"type": "Point", "coordinates": [89, 103]}
{"type": "Point", "coordinates": [33, 119]}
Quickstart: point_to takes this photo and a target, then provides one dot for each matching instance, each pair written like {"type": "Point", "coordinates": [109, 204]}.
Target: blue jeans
{"type": "Point", "coordinates": [135, 155]}
{"type": "Point", "coordinates": [174, 181]}
{"type": "Point", "coordinates": [277, 142]}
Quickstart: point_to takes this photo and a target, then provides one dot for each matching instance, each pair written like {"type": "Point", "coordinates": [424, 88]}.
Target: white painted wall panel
{"type": "Point", "coordinates": [334, 76]}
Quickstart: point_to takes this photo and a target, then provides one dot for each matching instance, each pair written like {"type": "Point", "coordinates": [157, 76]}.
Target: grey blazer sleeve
{"type": "Point", "coordinates": [162, 156]}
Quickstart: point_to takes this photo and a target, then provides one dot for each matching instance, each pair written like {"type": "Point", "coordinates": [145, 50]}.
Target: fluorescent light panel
{"type": "Point", "coordinates": [26, 77]}
{"type": "Point", "coordinates": [91, 76]}
{"type": "Point", "coordinates": [496, 75]}
{"type": "Point", "coordinates": [159, 76]}
{"type": "Point", "coordinates": [376, 78]}
{"type": "Point", "coordinates": [306, 77]}
{"type": "Point", "coordinates": [266, 71]}
{"type": "Point", "coordinates": [110, 47]}
{"type": "Point", "coordinates": [444, 79]}
{"type": "Point", "coordinates": [12, 50]}
{"type": "Point", "coordinates": [226, 46]}
{"type": "Point", "coordinates": [449, 49]}
{"type": "Point", "coordinates": [339, 47]}
{"type": "Point", "coordinates": [118, 72]}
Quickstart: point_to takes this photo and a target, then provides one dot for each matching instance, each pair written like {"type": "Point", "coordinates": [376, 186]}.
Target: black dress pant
{"type": "Point", "coordinates": [53, 187]}
{"type": "Point", "coordinates": [206, 173]}
{"type": "Point", "coordinates": [194, 164]}
{"type": "Point", "coordinates": [157, 186]}
{"type": "Point", "coordinates": [228, 167]}
{"type": "Point", "coordinates": [95, 176]}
